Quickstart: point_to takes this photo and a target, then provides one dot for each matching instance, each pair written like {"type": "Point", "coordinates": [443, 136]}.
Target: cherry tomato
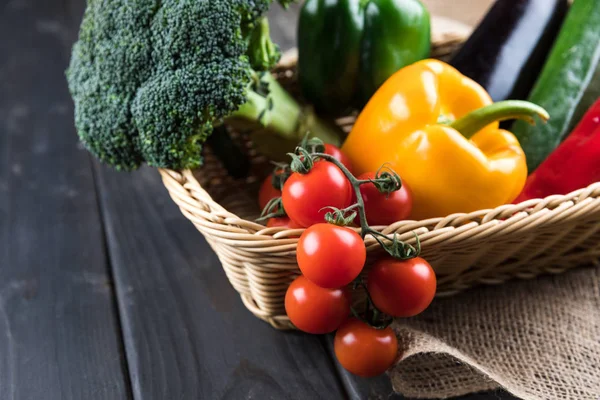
{"type": "Point", "coordinates": [267, 192]}
{"type": "Point", "coordinates": [336, 153]}
{"type": "Point", "coordinates": [363, 350]}
{"type": "Point", "coordinates": [316, 310]}
{"type": "Point", "coordinates": [285, 222]}
{"type": "Point", "coordinates": [330, 256]}
{"type": "Point", "coordinates": [402, 288]}
{"type": "Point", "coordinates": [306, 195]}
{"type": "Point", "coordinates": [385, 209]}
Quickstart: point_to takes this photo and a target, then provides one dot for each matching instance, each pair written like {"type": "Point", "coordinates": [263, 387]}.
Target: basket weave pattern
{"type": "Point", "coordinates": [524, 240]}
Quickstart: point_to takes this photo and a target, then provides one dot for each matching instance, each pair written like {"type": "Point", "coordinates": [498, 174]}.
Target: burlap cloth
{"type": "Point", "coordinates": [538, 339]}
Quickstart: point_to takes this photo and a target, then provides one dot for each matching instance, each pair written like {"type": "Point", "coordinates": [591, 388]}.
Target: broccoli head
{"type": "Point", "coordinates": [150, 78]}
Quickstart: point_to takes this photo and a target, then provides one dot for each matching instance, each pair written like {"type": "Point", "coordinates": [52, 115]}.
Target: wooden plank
{"type": "Point", "coordinates": [381, 388]}
{"type": "Point", "coordinates": [187, 333]}
{"type": "Point", "coordinates": [58, 325]}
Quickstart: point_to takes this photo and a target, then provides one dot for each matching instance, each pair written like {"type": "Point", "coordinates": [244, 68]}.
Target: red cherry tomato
{"type": "Point", "coordinates": [316, 310]}
{"type": "Point", "coordinates": [284, 222]}
{"type": "Point", "coordinates": [267, 192]}
{"type": "Point", "coordinates": [336, 153]}
{"type": "Point", "coordinates": [402, 288]}
{"type": "Point", "coordinates": [306, 195]}
{"type": "Point", "coordinates": [330, 256]}
{"type": "Point", "coordinates": [385, 209]}
{"type": "Point", "coordinates": [364, 350]}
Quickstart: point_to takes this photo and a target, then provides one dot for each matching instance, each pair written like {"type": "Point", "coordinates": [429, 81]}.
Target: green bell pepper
{"type": "Point", "coordinates": [348, 48]}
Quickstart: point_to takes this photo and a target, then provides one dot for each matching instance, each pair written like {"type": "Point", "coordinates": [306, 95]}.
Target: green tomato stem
{"type": "Point", "coordinates": [302, 163]}
{"type": "Point", "coordinates": [363, 181]}
{"type": "Point", "coordinates": [398, 249]}
{"type": "Point", "coordinates": [364, 226]}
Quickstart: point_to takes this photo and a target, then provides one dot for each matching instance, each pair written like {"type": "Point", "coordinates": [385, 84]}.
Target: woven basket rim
{"type": "Point", "coordinates": [505, 213]}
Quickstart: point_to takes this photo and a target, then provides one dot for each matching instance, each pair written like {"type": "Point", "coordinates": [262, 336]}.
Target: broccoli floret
{"type": "Point", "coordinates": [151, 79]}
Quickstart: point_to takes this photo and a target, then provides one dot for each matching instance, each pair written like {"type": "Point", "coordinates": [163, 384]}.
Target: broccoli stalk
{"type": "Point", "coordinates": [274, 110]}
{"type": "Point", "coordinates": [152, 79]}
{"type": "Point", "coordinates": [275, 118]}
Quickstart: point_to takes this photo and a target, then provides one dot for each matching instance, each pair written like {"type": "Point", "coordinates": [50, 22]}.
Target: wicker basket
{"type": "Point", "coordinates": [482, 247]}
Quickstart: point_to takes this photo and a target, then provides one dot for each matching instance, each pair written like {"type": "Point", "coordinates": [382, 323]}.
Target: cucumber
{"type": "Point", "coordinates": [565, 78]}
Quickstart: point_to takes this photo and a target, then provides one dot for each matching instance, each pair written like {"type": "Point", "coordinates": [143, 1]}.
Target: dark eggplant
{"type": "Point", "coordinates": [507, 50]}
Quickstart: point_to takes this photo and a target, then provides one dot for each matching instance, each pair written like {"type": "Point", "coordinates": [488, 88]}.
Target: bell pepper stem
{"type": "Point", "coordinates": [476, 120]}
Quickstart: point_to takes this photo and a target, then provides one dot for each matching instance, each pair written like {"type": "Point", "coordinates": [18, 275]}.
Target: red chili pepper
{"type": "Point", "coordinates": [573, 165]}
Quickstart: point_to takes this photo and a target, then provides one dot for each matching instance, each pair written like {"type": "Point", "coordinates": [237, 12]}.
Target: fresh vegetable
{"type": "Point", "coordinates": [372, 40]}
{"type": "Point", "coordinates": [338, 155]}
{"type": "Point", "coordinates": [269, 196]}
{"type": "Point", "coordinates": [439, 131]}
{"type": "Point", "coordinates": [330, 256]}
{"type": "Point", "coordinates": [267, 192]}
{"type": "Point", "coordinates": [385, 208]}
{"type": "Point", "coordinates": [506, 51]}
{"type": "Point", "coordinates": [575, 164]}
{"type": "Point", "coordinates": [271, 187]}
{"type": "Point", "coordinates": [364, 350]}
{"type": "Point", "coordinates": [305, 195]}
{"type": "Point", "coordinates": [565, 78]}
{"type": "Point", "coordinates": [401, 288]}
{"type": "Point", "coordinates": [150, 80]}
{"type": "Point", "coordinates": [316, 310]}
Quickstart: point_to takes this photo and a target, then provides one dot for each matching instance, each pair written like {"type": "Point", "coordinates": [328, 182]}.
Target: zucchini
{"type": "Point", "coordinates": [565, 78]}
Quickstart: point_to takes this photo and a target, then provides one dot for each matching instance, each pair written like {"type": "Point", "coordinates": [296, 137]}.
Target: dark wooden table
{"type": "Point", "coordinates": [107, 291]}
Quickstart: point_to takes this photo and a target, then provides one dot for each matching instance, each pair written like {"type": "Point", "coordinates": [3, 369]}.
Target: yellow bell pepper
{"type": "Point", "coordinates": [439, 131]}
